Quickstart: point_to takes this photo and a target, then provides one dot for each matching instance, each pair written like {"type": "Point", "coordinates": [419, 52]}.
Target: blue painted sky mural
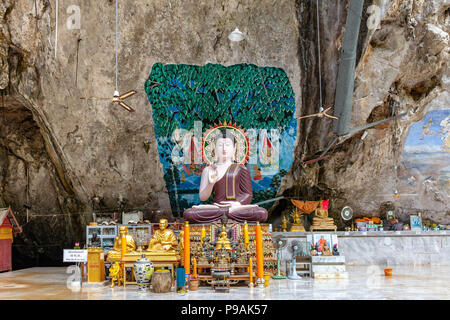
{"type": "Point", "coordinates": [426, 153]}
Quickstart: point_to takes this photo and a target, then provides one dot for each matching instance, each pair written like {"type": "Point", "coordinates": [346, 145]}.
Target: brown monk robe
{"type": "Point", "coordinates": [235, 185]}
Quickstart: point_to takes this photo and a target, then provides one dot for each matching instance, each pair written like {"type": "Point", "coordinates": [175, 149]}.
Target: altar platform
{"type": "Point", "coordinates": [364, 282]}
{"type": "Point", "coordinates": [382, 248]}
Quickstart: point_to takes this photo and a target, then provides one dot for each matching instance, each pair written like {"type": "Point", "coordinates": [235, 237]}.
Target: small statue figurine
{"type": "Point", "coordinates": [222, 258]}
{"type": "Point", "coordinates": [95, 240]}
{"type": "Point", "coordinates": [242, 254]}
{"type": "Point", "coordinates": [335, 250]}
{"type": "Point", "coordinates": [326, 250]}
{"type": "Point", "coordinates": [203, 257]}
{"type": "Point", "coordinates": [163, 240]}
{"type": "Point", "coordinates": [115, 271]}
{"type": "Point", "coordinates": [297, 222]}
{"type": "Point", "coordinates": [284, 223]}
{"type": "Point", "coordinates": [223, 241]}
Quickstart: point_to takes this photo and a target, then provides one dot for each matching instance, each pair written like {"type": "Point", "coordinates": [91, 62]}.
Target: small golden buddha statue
{"type": "Point", "coordinates": [163, 240]}
{"type": "Point", "coordinates": [297, 222]}
{"type": "Point", "coordinates": [223, 241]}
{"type": "Point", "coordinates": [284, 223]}
{"type": "Point", "coordinates": [321, 221]}
{"type": "Point", "coordinates": [223, 259]}
{"type": "Point", "coordinates": [321, 212]}
{"type": "Point", "coordinates": [116, 252]}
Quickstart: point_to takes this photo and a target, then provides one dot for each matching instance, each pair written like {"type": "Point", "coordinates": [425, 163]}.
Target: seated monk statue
{"type": "Point", "coordinates": [116, 252]}
{"type": "Point", "coordinates": [163, 240]}
{"type": "Point", "coordinates": [326, 250]}
{"type": "Point", "coordinates": [232, 187]}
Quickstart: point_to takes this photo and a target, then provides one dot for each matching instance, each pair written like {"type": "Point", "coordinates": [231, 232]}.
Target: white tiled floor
{"type": "Point", "coordinates": [364, 282]}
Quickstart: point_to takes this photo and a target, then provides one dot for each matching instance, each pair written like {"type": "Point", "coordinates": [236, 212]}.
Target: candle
{"type": "Point", "coordinates": [187, 249]}
{"type": "Point", "coordinates": [259, 252]}
{"type": "Point", "coordinates": [203, 234]}
{"type": "Point", "coordinates": [194, 269]}
{"type": "Point", "coordinates": [123, 241]}
{"type": "Point", "coordinates": [245, 234]}
{"type": "Point", "coordinates": [250, 269]}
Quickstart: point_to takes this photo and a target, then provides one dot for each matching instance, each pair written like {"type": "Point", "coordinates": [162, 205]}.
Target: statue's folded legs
{"type": "Point", "coordinates": [208, 215]}
{"type": "Point", "coordinates": [232, 187]}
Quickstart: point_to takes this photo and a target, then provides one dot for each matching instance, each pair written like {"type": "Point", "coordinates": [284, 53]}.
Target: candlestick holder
{"type": "Point", "coordinates": [260, 283]}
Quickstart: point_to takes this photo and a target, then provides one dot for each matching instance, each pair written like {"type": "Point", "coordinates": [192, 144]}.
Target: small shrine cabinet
{"type": "Point", "coordinates": [8, 227]}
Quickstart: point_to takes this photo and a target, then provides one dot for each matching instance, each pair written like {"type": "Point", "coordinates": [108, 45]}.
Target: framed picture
{"type": "Point", "coordinates": [321, 238]}
{"type": "Point", "coordinates": [416, 223]}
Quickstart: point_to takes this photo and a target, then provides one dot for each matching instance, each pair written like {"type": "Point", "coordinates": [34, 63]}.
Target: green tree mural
{"type": "Point", "coordinates": [245, 94]}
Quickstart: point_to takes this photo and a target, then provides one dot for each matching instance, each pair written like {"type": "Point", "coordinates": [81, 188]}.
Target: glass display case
{"type": "Point", "coordinates": [141, 234]}
{"type": "Point", "coordinates": [101, 236]}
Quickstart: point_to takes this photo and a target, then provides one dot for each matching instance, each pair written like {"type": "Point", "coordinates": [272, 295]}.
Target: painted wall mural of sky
{"type": "Point", "coordinates": [426, 153]}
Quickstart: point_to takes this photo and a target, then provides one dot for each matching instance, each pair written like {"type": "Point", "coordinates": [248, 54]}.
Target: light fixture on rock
{"type": "Point", "coordinates": [236, 35]}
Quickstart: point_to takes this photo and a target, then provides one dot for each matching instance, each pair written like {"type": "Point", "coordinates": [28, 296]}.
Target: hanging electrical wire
{"type": "Point", "coordinates": [117, 98]}
{"type": "Point", "coordinates": [56, 29]}
{"type": "Point", "coordinates": [318, 57]}
{"type": "Point", "coordinates": [117, 49]}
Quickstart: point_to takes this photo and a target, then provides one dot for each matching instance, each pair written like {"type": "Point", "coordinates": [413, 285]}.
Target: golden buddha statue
{"type": "Point", "coordinates": [163, 241]}
{"type": "Point", "coordinates": [223, 241]}
{"type": "Point", "coordinates": [222, 258]}
{"type": "Point", "coordinates": [321, 221]}
{"type": "Point", "coordinates": [297, 222]}
{"type": "Point", "coordinates": [284, 223]}
{"type": "Point", "coordinates": [116, 253]}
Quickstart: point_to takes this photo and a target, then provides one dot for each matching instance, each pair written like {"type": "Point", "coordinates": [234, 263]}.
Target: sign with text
{"type": "Point", "coordinates": [75, 255]}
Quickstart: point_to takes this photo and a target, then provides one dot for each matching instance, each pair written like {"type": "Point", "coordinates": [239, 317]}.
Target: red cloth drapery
{"type": "Point", "coordinates": [325, 204]}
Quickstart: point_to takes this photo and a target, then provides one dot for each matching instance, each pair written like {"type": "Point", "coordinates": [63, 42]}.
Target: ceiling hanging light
{"type": "Point", "coordinates": [236, 35]}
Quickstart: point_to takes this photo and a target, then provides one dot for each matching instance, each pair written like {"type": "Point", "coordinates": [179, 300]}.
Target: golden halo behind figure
{"type": "Point", "coordinates": [241, 139]}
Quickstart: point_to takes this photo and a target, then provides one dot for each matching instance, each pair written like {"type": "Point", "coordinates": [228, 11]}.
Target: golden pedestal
{"type": "Point", "coordinates": [323, 224]}
{"type": "Point", "coordinates": [297, 228]}
{"type": "Point", "coordinates": [152, 256]}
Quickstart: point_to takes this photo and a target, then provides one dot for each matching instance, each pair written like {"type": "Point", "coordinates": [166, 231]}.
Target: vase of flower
{"type": "Point", "coordinates": [143, 270]}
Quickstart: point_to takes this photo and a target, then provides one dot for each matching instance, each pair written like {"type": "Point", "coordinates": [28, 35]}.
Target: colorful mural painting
{"type": "Point", "coordinates": [427, 151]}
{"type": "Point", "coordinates": [188, 100]}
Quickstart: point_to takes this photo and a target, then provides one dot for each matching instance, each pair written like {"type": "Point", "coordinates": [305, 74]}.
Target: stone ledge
{"type": "Point", "coordinates": [328, 259]}
{"type": "Point", "coordinates": [342, 234]}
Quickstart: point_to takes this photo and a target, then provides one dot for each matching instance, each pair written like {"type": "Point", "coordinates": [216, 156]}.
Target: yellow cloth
{"type": "Point", "coordinates": [375, 220]}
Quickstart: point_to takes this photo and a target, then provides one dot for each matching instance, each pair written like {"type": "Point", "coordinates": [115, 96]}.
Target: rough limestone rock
{"type": "Point", "coordinates": [58, 151]}
{"type": "Point", "coordinates": [403, 66]}
{"type": "Point", "coordinates": [95, 148]}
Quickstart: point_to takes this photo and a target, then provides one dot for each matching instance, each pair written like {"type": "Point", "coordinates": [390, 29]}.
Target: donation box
{"type": "Point", "coordinates": [96, 265]}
